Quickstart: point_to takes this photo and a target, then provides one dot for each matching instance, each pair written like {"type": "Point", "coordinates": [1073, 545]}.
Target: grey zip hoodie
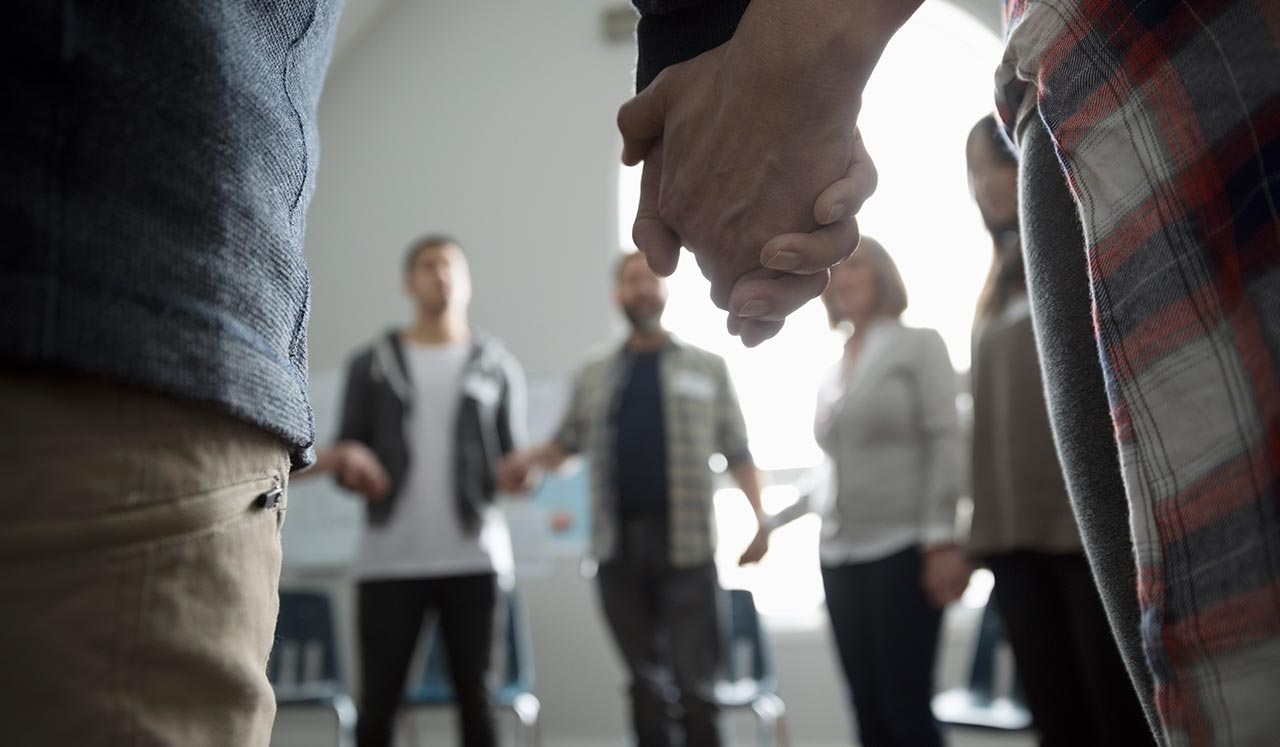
{"type": "Point", "coordinates": [490, 421]}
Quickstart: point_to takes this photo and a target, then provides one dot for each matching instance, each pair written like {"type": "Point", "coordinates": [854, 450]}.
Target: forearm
{"type": "Point", "coordinates": [819, 50]}
{"type": "Point", "coordinates": [789, 514]}
{"type": "Point", "coordinates": [328, 459]}
{"type": "Point", "coordinates": [942, 491]}
{"type": "Point", "coordinates": [845, 30]}
{"type": "Point", "coordinates": [326, 462]}
{"type": "Point", "coordinates": [549, 456]}
{"type": "Point", "coordinates": [748, 479]}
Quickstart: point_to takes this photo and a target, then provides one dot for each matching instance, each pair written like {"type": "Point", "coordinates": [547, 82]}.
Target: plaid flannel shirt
{"type": "Point", "coordinates": [1166, 118]}
{"type": "Point", "coordinates": [702, 418]}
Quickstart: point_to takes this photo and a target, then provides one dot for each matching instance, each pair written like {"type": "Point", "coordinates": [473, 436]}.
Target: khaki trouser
{"type": "Point", "coordinates": [139, 562]}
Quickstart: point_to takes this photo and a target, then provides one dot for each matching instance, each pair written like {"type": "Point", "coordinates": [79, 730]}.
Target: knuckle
{"type": "Point", "coordinates": [873, 177]}
{"type": "Point", "coordinates": [671, 209]}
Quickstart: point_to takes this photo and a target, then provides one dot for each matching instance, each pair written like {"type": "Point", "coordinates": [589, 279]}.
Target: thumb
{"type": "Point", "coordinates": [641, 119]}
{"type": "Point", "coordinates": [844, 197]}
{"type": "Point", "coordinates": [651, 234]}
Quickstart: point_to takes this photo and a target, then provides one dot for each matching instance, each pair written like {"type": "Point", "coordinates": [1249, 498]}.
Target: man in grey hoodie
{"type": "Point", "coordinates": [440, 404]}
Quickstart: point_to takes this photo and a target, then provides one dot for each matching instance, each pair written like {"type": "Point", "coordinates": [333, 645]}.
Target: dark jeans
{"type": "Point", "coordinates": [1058, 285]}
{"type": "Point", "coordinates": [1072, 674]}
{"type": "Point", "coordinates": [391, 615]}
{"type": "Point", "coordinates": [886, 633]}
{"type": "Point", "coordinates": [666, 625]}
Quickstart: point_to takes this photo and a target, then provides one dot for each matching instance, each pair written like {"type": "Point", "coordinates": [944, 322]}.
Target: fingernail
{"type": "Point", "coordinates": [754, 308]}
{"type": "Point", "coordinates": [785, 260]}
{"type": "Point", "coordinates": [837, 212]}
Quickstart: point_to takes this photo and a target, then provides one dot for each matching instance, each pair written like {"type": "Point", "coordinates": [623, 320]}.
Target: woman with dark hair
{"type": "Point", "coordinates": [1023, 527]}
{"type": "Point", "coordinates": [993, 180]}
{"type": "Point", "coordinates": [890, 562]}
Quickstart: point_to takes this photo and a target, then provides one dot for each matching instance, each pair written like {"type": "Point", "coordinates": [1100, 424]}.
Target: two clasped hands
{"type": "Point", "coordinates": [753, 160]}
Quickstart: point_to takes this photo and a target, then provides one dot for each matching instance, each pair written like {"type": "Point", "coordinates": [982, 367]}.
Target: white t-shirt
{"type": "Point", "coordinates": [423, 537]}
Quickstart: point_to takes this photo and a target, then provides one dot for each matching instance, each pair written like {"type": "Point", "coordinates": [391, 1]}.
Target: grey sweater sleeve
{"type": "Point", "coordinates": [940, 429]}
{"type": "Point", "coordinates": [1078, 407]}
{"type": "Point", "coordinates": [672, 31]}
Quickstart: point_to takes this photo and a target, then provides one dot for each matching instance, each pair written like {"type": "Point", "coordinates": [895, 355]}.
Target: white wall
{"type": "Point", "coordinates": [489, 120]}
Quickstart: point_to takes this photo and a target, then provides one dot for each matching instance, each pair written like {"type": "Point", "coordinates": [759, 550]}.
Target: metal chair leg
{"type": "Point", "coordinates": [406, 729]}
{"type": "Point", "coordinates": [345, 709]}
{"type": "Point", "coordinates": [766, 726]}
{"type": "Point", "coordinates": [771, 718]}
{"type": "Point", "coordinates": [784, 732]}
{"type": "Point", "coordinates": [528, 709]}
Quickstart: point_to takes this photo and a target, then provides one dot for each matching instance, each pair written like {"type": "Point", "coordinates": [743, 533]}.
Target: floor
{"type": "Point", "coordinates": [300, 729]}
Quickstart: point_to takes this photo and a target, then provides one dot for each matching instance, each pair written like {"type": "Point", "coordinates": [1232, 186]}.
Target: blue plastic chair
{"type": "Point", "coordinates": [433, 689]}
{"type": "Point", "coordinates": [304, 666]}
{"type": "Point", "coordinates": [979, 704]}
{"type": "Point", "coordinates": [748, 677]}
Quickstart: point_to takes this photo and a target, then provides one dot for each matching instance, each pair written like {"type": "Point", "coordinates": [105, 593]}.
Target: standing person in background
{"type": "Point", "coordinates": [649, 416]}
{"type": "Point", "coordinates": [890, 560]}
{"type": "Point", "coordinates": [440, 405]}
{"type": "Point", "coordinates": [1023, 528]}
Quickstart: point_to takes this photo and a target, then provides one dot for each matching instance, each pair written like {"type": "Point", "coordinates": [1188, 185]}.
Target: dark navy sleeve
{"type": "Point", "coordinates": [672, 31]}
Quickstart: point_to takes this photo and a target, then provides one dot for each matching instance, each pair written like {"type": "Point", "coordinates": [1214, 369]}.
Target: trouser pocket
{"type": "Point", "coordinates": [157, 521]}
{"type": "Point", "coordinates": [147, 626]}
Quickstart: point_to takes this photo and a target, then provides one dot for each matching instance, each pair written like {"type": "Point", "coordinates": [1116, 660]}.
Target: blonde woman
{"type": "Point", "coordinates": [887, 422]}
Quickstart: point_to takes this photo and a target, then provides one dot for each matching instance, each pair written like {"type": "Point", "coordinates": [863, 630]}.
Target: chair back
{"type": "Point", "coordinates": [433, 684]}
{"type": "Point", "coordinates": [982, 676]}
{"type": "Point", "coordinates": [746, 656]}
{"type": "Point", "coordinates": [305, 651]}
{"type": "Point", "coordinates": [993, 697]}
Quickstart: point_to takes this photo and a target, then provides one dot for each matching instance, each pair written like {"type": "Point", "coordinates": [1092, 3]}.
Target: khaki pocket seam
{"type": "Point", "coordinates": [64, 533]}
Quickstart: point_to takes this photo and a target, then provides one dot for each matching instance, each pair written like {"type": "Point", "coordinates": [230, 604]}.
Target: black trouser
{"type": "Point", "coordinates": [391, 616]}
{"type": "Point", "coordinates": [1058, 285]}
{"type": "Point", "coordinates": [886, 633]}
{"type": "Point", "coordinates": [666, 625]}
{"type": "Point", "coordinates": [1072, 674]}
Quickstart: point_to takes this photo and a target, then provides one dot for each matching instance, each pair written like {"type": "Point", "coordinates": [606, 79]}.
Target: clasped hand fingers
{"type": "Point", "coordinates": [744, 205]}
